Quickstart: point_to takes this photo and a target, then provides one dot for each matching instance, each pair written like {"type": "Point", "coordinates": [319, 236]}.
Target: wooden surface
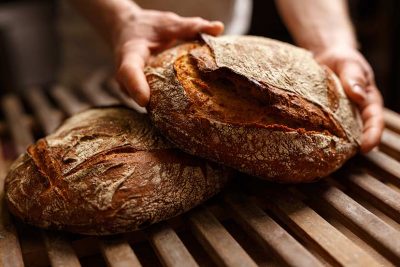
{"type": "Point", "coordinates": [349, 219]}
{"type": "Point", "coordinates": [168, 246]}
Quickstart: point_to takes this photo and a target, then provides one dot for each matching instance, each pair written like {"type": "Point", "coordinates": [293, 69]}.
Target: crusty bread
{"type": "Point", "coordinates": [261, 106]}
{"type": "Point", "coordinates": [107, 171]}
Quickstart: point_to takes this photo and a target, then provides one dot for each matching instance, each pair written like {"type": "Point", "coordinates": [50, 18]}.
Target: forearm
{"type": "Point", "coordinates": [318, 24]}
{"type": "Point", "coordinates": [107, 16]}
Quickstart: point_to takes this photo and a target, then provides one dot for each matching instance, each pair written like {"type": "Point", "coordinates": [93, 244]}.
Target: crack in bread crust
{"type": "Point", "coordinates": [227, 97]}
{"type": "Point", "coordinates": [273, 133]}
{"type": "Point", "coordinates": [290, 69]}
{"type": "Point", "coordinates": [107, 171]}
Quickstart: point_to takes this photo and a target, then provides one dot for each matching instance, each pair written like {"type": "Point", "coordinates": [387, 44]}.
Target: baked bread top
{"type": "Point", "coordinates": [106, 171]}
{"type": "Point", "coordinates": [259, 105]}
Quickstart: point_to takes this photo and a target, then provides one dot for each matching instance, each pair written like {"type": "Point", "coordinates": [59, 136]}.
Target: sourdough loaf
{"type": "Point", "coordinates": [261, 106]}
{"type": "Point", "coordinates": [107, 171]}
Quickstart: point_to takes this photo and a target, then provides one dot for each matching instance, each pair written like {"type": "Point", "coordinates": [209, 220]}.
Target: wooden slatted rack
{"type": "Point", "coordinates": [349, 219]}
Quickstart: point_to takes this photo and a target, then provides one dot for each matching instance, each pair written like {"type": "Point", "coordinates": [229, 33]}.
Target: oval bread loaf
{"type": "Point", "coordinates": [107, 171]}
{"type": "Point", "coordinates": [261, 106]}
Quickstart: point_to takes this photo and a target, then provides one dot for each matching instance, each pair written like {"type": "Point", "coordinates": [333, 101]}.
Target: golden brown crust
{"type": "Point", "coordinates": [219, 101]}
{"type": "Point", "coordinates": [107, 171]}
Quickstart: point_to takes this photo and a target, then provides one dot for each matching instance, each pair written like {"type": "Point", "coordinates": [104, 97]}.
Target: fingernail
{"type": "Point", "coordinates": [359, 90]}
{"type": "Point", "coordinates": [216, 22]}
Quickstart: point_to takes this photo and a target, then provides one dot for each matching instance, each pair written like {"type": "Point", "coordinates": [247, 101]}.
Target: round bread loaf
{"type": "Point", "coordinates": [261, 106]}
{"type": "Point", "coordinates": [106, 171]}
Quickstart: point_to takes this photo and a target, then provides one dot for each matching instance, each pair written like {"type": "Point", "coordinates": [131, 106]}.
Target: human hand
{"type": "Point", "coordinates": [357, 78]}
{"type": "Point", "coordinates": [148, 31]}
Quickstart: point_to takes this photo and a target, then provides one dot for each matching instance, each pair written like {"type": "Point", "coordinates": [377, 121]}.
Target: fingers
{"type": "Point", "coordinates": [133, 54]}
{"type": "Point", "coordinates": [353, 80]}
{"type": "Point", "coordinates": [372, 134]}
{"type": "Point", "coordinates": [372, 116]}
{"type": "Point", "coordinates": [130, 73]}
{"type": "Point", "coordinates": [188, 28]}
{"type": "Point", "coordinates": [358, 82]}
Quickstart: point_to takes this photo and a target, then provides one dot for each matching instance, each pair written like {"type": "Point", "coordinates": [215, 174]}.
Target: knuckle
{"type": "Point", "coordinates": [170, 16]}
{"type": "Point", "coordinates": [197, 20]}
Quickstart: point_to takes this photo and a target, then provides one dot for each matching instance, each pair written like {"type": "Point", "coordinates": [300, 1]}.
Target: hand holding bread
{"type": "Point", "coordinates": [358, 81]}
{"type": "Point", "coordinates": [284, 118]}
{"type": "Point", "coordinates": [145, 33]}
{"type": "Point", "coordinates": [324, 28]}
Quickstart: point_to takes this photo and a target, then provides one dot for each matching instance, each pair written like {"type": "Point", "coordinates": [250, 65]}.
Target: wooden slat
{"type": "Point", "coordinates": [59, 250]}
{"type": "Point", "coordinates": [269, 234]}
{"type": "Point", "coordinates": [375, 191]}
{"type": "Point", "coordinates": [14, 114]}
{"type": "Point", "coordinates": [317, 231]}
{"type": "Point", "coordinates": [352, 235]}
{"type": "Point", "coordinates": [169, 248]}
{"type": "Point", "coordinates": [384, 164]}
{"type": "Point", "coordinates": [373, 209]}
{"type": "Point", "coordinates": [23, 136]}
{"type": "Point", "coordinates": [390, 143]}
{"type": "Point", "coordinates": [92, 89]}
{"type": "Point", "coordinates": [383, 196]}
{"type": "Point", "coordinates": [392, 120]}
{"type": "Point", "coordinates": [118, 253]}
{"type": "Point", "coordinates": [67, 100]}
{"type": "Point", "coordinates": [216, 240]}
{"type": "Point", "coordinates": [385, 237]}
{"type": "Point", "coordinates": [10, 250]}
{"type": "Point", "coordinates": [49, 118]}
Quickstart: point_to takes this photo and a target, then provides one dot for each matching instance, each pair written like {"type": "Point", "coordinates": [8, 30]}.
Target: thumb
{"type": "Point", "coordinates": [354, 81]}
{"type": "Point", "coordinates": [130, 75]}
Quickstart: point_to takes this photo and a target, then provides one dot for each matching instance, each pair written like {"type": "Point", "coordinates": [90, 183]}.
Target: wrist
{"type": "Point", "coordinates": [336, 49]}
{"type": "Point", "coordinates": [107, 16]}
{"type": "Point", "coordinates": [323, 41]}
{"type": "Point", "coordinates": [123, 18]}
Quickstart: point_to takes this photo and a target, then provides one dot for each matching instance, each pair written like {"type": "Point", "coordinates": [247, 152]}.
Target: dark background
{"type": "Point", "coordinates": [29, 44]}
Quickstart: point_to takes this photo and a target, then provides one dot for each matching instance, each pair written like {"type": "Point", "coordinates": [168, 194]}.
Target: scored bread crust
{"type": "Point", "coordinates": [107, 171]}
{"type": "Point", "coordinates": [310, 129]}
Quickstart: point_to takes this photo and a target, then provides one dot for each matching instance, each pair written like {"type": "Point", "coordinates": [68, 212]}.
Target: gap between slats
{"type": "Point", "coordinates": [315, 230]}
{"type": "Point", "coordinates": [70, 110]}
{"type": "Point", "coordinates": [59, 250]}
{"type": "Point", "coordinates": [118, 253]}
{"type": "Point", "coordinates": [71, 105]}
{"type": "Point", "coordinates": [384, 165]}
{"type": "Point", "coordinates": [392, 120]}
{"type": "Point", "coordinates": [92, 89]}
{"type": "Point", "coordinates": [14, 114]}
{"type": "Point", "coordinates": [216, 240]}
{"type": "Point", "coordinates": [376, 192]}
{"type": "Point", "coordinates": [390, 143]}
{"type": "Point", "coordinates": [67, 100]}
{"type": "Point", "coordinates": [10, 250]}
{"type": "Point", "coordinates": [384, 237]}
{"type": "Point", "coordinates": [168, 246]}
{"type": "Point", "coordinates": [357, 239]}
{"type": "Point", "coordinates": [48, 117]}
{"type": "Point", "coordinates": [268, 233]}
